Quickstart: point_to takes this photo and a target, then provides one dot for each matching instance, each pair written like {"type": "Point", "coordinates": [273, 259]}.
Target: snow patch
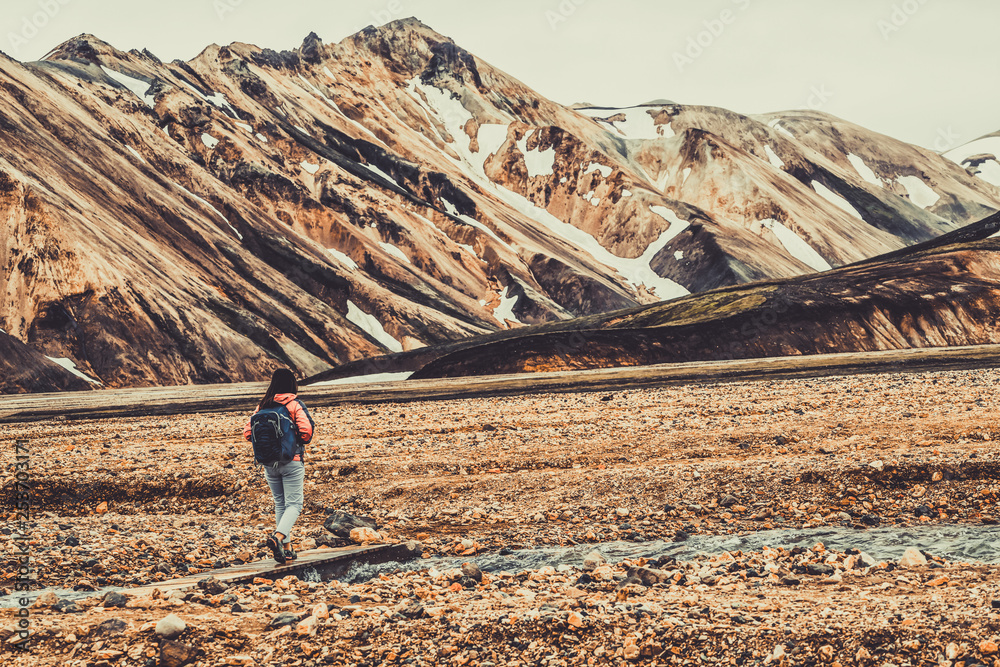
{"type": "Point", "coordinates": [69, 365]}
{"type": "Point", "coordinates": [505, 311]}
{"type": "Point", "coordinates": [310, 167]}
{"type": "Point", "coordinates": [136, 154]}
{"type": "Point", "coordinates": [679, 255]}
{"type": "Point", "coordinates": [211, 208]}
{"type": "Point", "coordinates": [342, 258]}
{"type": "Point", "coordinates": [921, 194]}
{"type": "Point", "coordinates": [864, 171]}
{"type": "Point", "coordinates": [626, 193]}
{"type": "Point", "coordinates": [395, 252]}
{"type": "Point", "coordinates": [773, 158]}
{"type": "Point", "coordinates": [453, 210]}
{"type": "Point", "coordinates": [138, 87]}
{"type": "Point", "coordinates": [685, 174]}
{"type": "Point", "coordinates": [219, 100]}
{"type": "Point", "coordinates": [209, 141]}
{"type": "Point", "coordinates": [244, 126]}
{"type": "Point", "coordinates": [776, 125]}
{"type": "Point", "coordinates": [261, 138]}
{"type": "Point", "coordinates": [796, 246]}
{"type": "Point", "coordinates": [539, 163]}
{"type": "Point", "coordinates": [638, 125]}
{"type": "Point", "coordinates": [372, 327]}
{"type": "Point", "coordinates": [835, 199]}
{"type": "Point", "coordinates": [595, 167]}
{"type": "Point", "coordinates": [375, 170]}
{"type": "Point", "coordinates": [366, 379]}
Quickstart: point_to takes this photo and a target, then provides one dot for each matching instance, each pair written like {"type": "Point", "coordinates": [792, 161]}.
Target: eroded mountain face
{"type": "Point", "coordinates": [168, 223]}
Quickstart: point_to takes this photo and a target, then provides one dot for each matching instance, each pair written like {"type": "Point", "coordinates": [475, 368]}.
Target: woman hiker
{"type": "Point", "coordinates": [286, 479]}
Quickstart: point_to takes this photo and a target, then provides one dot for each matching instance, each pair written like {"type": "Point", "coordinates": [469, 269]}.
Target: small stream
{"type": "Point", "coordinates": [955, 542]}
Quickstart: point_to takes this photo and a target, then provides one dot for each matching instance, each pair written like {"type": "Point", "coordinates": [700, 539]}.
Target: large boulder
{"type": "Point", "coordinates": [340, 524]}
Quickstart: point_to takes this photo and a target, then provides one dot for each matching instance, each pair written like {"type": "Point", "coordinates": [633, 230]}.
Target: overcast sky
{"type": "Point", "coordinates": [925, 71]}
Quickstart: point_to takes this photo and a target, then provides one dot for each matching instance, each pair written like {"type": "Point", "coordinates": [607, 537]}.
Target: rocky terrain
{"type": "Point", "coordinates": [205, 221]}
{"type": "Point", "coordinates": [129, 502]}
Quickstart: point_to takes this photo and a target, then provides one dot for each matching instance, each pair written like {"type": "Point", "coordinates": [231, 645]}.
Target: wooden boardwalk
{"type": "Point", "coordinates": [117, 403]}
{"type": "Point", "coordinates": [318, 559]}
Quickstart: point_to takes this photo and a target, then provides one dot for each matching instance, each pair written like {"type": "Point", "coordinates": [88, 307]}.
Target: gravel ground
{"type": "Point", "coordinates": [137, 501]}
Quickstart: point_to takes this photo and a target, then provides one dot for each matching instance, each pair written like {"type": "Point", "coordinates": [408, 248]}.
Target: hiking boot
{"type": "Point", "coordinates": [276, 548]}
{"type": "Point", "coordinates": [290, 553]}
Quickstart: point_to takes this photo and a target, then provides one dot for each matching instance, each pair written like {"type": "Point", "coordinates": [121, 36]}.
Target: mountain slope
{"type": "Point", "coordinates": [205, 221]}
{"type": "Point", "coordinates": [943, 292]}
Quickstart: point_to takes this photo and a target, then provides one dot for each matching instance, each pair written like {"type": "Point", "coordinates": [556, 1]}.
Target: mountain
{"type": "Point", "coordinates": [943, 292]}
{"type": "Point", "coordinates": [205, 221]}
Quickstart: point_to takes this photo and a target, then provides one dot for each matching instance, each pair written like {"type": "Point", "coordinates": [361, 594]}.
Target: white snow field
{"type": "Point", "coordinates": [920, 193]}
{"type": "Point", "coordinates": [773, 158]}
{"type": "Point", "coordinates": [864, 171]}
{"type": "Point", "coordinates": [505, 311]}
{"type": "Point", "coordinates": [342, 258]}
{"type": "Point", "coordinates": [395, 252]}
{"type": "Point", "coordinates": [797, 246]}
{"type": "Point", "coordinates": [372, 326]}
{"type": "Point", "coordinates": [835, 199]}
{"type": "Point", "coordinates": [69, 365]}
{"type": "Point", "coordinates": [138, 87]}
{"type": "Point", "coordinates": [539, 163]}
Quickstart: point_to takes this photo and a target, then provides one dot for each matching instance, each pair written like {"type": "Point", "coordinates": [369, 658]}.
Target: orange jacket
{"type": "Point", "coordinates": [300, 417]}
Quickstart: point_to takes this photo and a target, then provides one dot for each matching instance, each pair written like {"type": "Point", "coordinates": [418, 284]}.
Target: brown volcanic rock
{"type": "Point", "coordinates": [205, 221]}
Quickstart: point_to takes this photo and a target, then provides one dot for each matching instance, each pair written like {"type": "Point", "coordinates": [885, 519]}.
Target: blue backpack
{"type": "Point", "coordinates": [273, 436]}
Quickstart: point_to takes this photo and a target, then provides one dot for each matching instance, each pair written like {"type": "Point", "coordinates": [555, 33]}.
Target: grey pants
{"type": "Point", "coordinates": [286, 481]}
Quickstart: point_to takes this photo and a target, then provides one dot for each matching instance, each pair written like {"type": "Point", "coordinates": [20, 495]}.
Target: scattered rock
{"type": "Point", "coordinates": [67, 607]}
{"type": "Point", "coordinates": [176, 654]}
{"type": "Point", "coordinates": [472, 571]}
{"type": "Point", "coordinates": [112, 626]}
{"type": "Point", "coordinates": [46, 600]}
{"type": "Point", "coordinates": [364, 535]}
{"type": "Point", "coordinates": [340, 524]}
{"type": "Point", "coordinates": [213, 586]}
{"type": "Point", "coordinates": [912, 558]}
{"type": "Point", "coordinates": [284, 618]}
{"type": "Point", "coordinates": [170, 626]}
{"type": "Point", "coordinates": [592, 561]}
{"type": "Point", "coordinates": [113, 599]}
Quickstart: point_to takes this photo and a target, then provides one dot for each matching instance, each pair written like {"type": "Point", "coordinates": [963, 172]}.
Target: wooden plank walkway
{"type": "Point", "coordinates": [269, 569]}
{"type": "Point", "coordinates": [119, 403]}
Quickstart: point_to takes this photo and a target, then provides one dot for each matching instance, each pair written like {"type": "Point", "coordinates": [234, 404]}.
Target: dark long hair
{"type": "Point", "coordinates": [282, 382]}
